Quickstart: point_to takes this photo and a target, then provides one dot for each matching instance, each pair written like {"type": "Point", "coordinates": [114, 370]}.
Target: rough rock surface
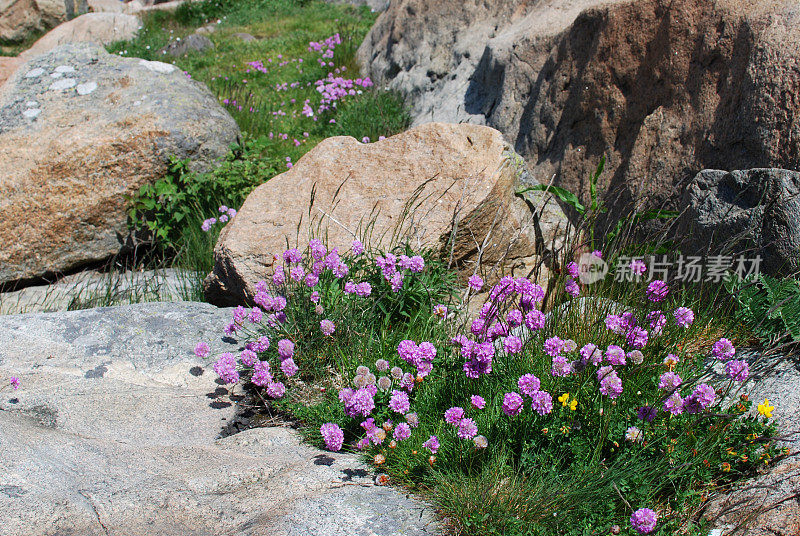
{"type": "Point", "coordinates": [753, 212]}
{"type": "Point", "coordinates": [768, 505]}
{"type": "Point", "coordinates": [92, 289]}
{"type": "Point", "coordinates": [434, 186]}
{"type": "Point", "coordinates": [100, 28]}
{"type": "Point", "coordinates": [106, 6]}
{"type": "Point", "coordinates": [663, 88]}
{"type": "Point", "coordinates": [374, 5]}
{"type": "Point", "coordinates": [119, 429]}
{"type": "Point", "coordinates": [187, 45]}
{"type": "Point", "coordinates": [21, 18]}
{"type": "Point", "coordinates": [79, 130]}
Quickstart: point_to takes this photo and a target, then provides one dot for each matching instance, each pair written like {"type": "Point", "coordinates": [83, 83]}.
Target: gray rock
{"type": "Point", "coordinates": [189, 44]}
{"type": "Point", "coordinates": [760, 506]}
{"type": "Point", "coordinates": [748, 212]}
{"type": "Point", "coordinates": [246, 37]}
{"type": "Point", "coordinates": [118, 429]}
{"type": "Point", "coordinates": [374, 5]}
{"type": "Point", "coordinates": [84, 290]}
{"type": "Point", "coordinates": [65, 174]}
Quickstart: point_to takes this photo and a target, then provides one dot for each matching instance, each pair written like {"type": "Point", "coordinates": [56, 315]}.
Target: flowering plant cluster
{"type": "Point", "coordinates": [225, 215]}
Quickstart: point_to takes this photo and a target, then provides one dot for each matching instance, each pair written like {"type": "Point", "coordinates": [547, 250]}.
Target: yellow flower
{"type": "Point", "coordinates": [573, 405]}
{"type": "Point", "coordinates": [564, 399]}
{"type": "Point", "coordinates": [765, 409]}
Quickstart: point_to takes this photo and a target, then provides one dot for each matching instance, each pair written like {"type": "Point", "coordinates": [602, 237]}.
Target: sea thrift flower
{"type": "Point", "coordinates": [669, 381]}
{"type": "Point", "coordinates": [553, 346]}
{"type": "Point", "coordinates": [512, 344]}
{"type": "Point", "coordinates": [357, 247]}
{"type": "Point", "coordinates": [514, 318]}
{"type": "Point", "coordinates": [349, 288]}
{"type": "Point", "coordinates": [292, 256]}
{"type": "Point", "coordinates": [467, 429]}
{"type": "Point", "coordinates": [615, 324]}
{"type": "Point", "coordinates": [384, 383]}
{"type": "Point", "coordinates": [363, 289]}
{"type": "Point", "coordinates": [289, 367]}
{"type": "Point", "coordinates": [528, 384]}
{"type": "Point", "coordinates": [572, 269]}
{"type": "Point", "coordinates": [671, 360]}
{"type": "Point", "coordinates": [261, 344]}
{"type": "Point", "coordinates": [634, 435]}
{"type": "Point", "coordinates": [615, 355]}
{"type": "Point", "coordinates": [542, 402]}
{"type": "Point", "coordinates": [278, 278]}
{"type": "Point", "coordinates": [480, 442]}
{"type": "Point", "coordinates": [412, 419]}
{"type": "Point", "coordinates": [285, 348]}
{"type": "Point", "coordinates": [440, 310]}
{"type": "Point", "coordinates": [656, 291]}
{"type": "Point", "coordinates": [327, 327]}
{"type": "Point", "coordinates": [591, 354]}
{"type": "Point", "coordinates": [646, 413]}
{"type": "Point", "coordinates": [311, 280]}
{"type": "Point", "coordinates": [402, 431]}
{"type": "Point", "coordinates": [572, 288]}
{"type": "Point", "coordinates": [644, 520]}
{"type": "Point", "coordinates": [453, 415]}
{"type": "Point", "coordinates": [255, 315]}
{"type": "Point", "coordinates": [318, 250]}
{"type": "Point", "coordinates": [737, 370]}
{"type": "Point", "coordinates": [333, 436]}
{"type": "Point", "coordinates": [315, 297]}
{"type": "Point", "coordinates": [477, 401]}
{"type": "Point", "coordinates": [399, 402]}
{"type": "Point", "coordinates": [684, 317]}
{"type": "Point", "coordinates": [636, 357]}
{"type": "Point", "coordinates": [723, 349]}
{"type": "Point", "coordinates": [432, 444]}
{"type": "Point", "coordinates": [297, 273]}
{"type": "Point", "coordinates": [361, 403]}
{"type": "Point", "coordinates": [382, 365]}
{"type": "Point", "coordinates": [276, 390]}
{"type": "Point", "coordinates": [261, 375]}
{"type": "Point", "coordinates": [657, 321]}
{"type": "Point", "coordinates": [674, 404]}
{"type": "Point", "coordinates": [637, 337]}
{"type": "Point", "coordinates": [512, 404]}
{"type": "Point", "coordinates": [561, 367]}
{"type": "Point", "coordinates": [225, 367]}
{"type": "Point", "coordinates": [475, 283]}
{"type": "Point", "coordinates": [202, 350]}
{"type": "Point", "coordinates": [611, 385]}
{"type": "Point", "coordinates": [638, 266]}
{"type": "Point", "coordinates": [248, 357]}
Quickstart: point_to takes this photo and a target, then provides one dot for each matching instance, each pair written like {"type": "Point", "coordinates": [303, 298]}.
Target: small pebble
{"type": "Point", "coordinates": [64, 83]}
{"type": "Point", "coordinates": [65, 69]}
{"type": "Point", "coordinates": [33, 73]}
{"type": "Point", "coordinates": [88, 87]}
{"type": "Point", "coordinates": [31, 113]}
{"type": "Point", "coordinates": [56, 75]}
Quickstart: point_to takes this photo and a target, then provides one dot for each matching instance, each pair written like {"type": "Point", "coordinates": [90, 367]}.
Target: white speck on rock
{"type": "Point", "coordinates": [31, 113]}
{"type": "Point", "coordinates": [157, 66]}
{"type": "Point", "coordinates": [31, 104]}
{"type": "Point", "coordinates": [88, 87]}
{"type": "Point", "coordinates": [65, 69]}
{"type": "Point", "coordinates": [64, 83]}
{"type": "Point", "coordinates": [33, 73]}
{"type": "Point", "coordinates": [137, 103]}
{"type": "Point", "coordinates": [56, 75]}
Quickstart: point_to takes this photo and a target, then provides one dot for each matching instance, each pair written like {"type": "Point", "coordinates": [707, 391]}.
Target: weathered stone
{"type": "Point", "coordinates": [100, 28]}
{"type": "Point", "coordinates": [746, 212]}
{"type": "Point", "coordinates": [766, 505]}
{"type": "Point", "coordinates": [66, 172]}
{"type": "Point", "coordinates": [697, 85]}
{"type": "Point", "coordinates": [106, 6]}
{"type": "Point", "coordinates": [374, 5]}
{"type": "Point", "coordinates": [21, 18]}
{"type": "Point", "coordinates": [118, 428]}
{"type": "Point", "coordinates": [246, 37]}
{"type": "Point", "coordinates": [189, 44]}
{"type": "Point", "coordinates": [448, 187]}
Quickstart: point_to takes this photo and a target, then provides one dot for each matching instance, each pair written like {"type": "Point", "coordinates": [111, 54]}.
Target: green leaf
{"type": "Point", "coordinates": [562, 193]}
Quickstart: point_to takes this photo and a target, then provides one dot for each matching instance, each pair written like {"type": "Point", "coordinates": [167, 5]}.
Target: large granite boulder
{"type": "Point", "coordinates": [663, 88]}
{"type": "Point", "coordinates": [118, 428]}
{"type": "Point", "coordinates": [79, 130]}
{"type": "Point", "coordinates": [22, 18]}
{"type": "Point", "coordinates": [441, 186]}
{"type": "Point", "coordinates": [751, 212]}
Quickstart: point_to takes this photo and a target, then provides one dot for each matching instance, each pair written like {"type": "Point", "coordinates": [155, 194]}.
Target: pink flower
{"type": "Point", "coordinates": [512, 404]}
{"type": "Point", "coordinates": [402, 431]}
{"type": "Point", "coordinates": [684, 317]}
{"type": "Point", "coordinates": [289, 367]}
{"type": "Point", "coordinates": [432, 444]}
{"type": "Point", "coordinates": [657, 291]}
{"type": "Point", "coordinates": [528, 384]}
{"type": "Point", "coordinates": [453, 415]}
{"type": "Point", "coordinates": [333, 436]}
{"type": "Point", "coordinates": [542, 402]}
{"type": "Point", "coordinates": [475, 283]}
{"type": "Point", "coordinates": [327, 327]}
{"type": "Point", "coordinates": [202, 350]}
{"type": "Point", "coordinates": [467, 429]}
{"type": "Point", "coordinates": [399, 402]}
{"type": "Point", "coordinates": [644, 520]}
{"type": "Point", "coordinates": [477, 401]}
{"type": "Point", "coordinates": [512, 344]}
